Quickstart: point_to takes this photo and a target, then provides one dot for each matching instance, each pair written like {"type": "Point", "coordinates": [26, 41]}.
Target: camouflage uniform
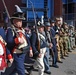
{"type": "Point", "coordinates": [72, 36]}
{"type": "Point", "coordinates": [65, 41]}
{"type": "Point", "coordinates": [61, 43]}
{"type": "Point", "coordinates": [57, 28]}
{"type": "Point", "coordinates": [58, 47]}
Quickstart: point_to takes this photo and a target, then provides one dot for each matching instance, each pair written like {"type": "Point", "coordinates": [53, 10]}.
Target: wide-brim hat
{"type": "Point", "coordinates": [18, 15]}
{"type": "Point", "coordinates": [57, 19]}
{"type": "Point", "coordinates": [52, 21]}
{"type": "Point", "coordinates": [71, 26]}
{"type": "Point", "coordinates": [64, 23]}
{"type": "Point", "coordinates": [47, 24]}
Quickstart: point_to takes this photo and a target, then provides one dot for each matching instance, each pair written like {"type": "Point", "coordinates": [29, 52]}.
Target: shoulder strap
{"type": "Point", "coordinates": [48, 36]}
{"type": "Point", "coordinates": [41, 36]}
{"type": "Point", "coordinates": [11, 30]}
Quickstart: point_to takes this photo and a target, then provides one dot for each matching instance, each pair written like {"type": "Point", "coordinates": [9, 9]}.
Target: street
{"type": "Point", "coordinates": [68, 67]}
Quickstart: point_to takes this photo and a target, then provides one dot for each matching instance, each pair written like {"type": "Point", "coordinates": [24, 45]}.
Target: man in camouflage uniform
{"type": "Point", "coordinates": [65, 39]}
{"type": "Point", "coordinates": [72, 36]}
{"type": "Point", "coordinates": [61, 43]}
{"type": "Point", "coordinates": [57, 28]}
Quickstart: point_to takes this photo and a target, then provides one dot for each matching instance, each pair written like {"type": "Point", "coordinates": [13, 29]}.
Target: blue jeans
{"type": "Point", "coordinates": [55, 56]}
{"type": "Point", "coordinates": [46, 60]}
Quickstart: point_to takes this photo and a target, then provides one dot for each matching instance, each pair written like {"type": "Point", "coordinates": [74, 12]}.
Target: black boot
{"type": "Point", "coordinates": [30, 70]}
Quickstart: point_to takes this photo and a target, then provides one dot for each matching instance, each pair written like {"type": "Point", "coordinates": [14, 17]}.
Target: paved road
{"type": "Point", "coordinates": [68, 67]}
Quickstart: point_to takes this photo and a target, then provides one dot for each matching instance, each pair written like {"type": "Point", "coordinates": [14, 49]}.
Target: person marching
{"type": "Point", "coordinates": [4, 51]}
{"type": "Point", "coordinates": [57, 28]}
{"type": "Point", "coordinates": [39, 49]}
{"type": "Point", "coordinates": [65, 39]}
{"type": "Point", "coordinates": [17, 42]}
{"type": "Point", "coordinates": [61, 41]}
{"type": "Point", "coordinates": [48, 49]}
{"type": "Point", "coordinates": [72, 36]}
{"type": "Point", "coordinates": [55, 56]}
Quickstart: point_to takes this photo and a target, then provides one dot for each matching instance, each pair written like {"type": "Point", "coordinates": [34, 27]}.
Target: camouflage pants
{"type": "Point", "coordinates": [58, 47]}
{"type": "Point", "coordinates": [61, 46]}
{"type": "Point", "coordinates": [65, 45]}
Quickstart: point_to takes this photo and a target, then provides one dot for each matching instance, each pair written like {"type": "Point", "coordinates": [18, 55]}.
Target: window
{"type": "Point", "coordinates": [24, 1]}
{"type": "Point", "coordinates": [74, 0]}
{"type": "Point", "coordinates": [64, 1]}
{"type": "Point", "coordinates": [71, 8]}
{"type": "Point", "coordinates": [69, 1]}
{"type": "Point", "coordinates": [37, 4]}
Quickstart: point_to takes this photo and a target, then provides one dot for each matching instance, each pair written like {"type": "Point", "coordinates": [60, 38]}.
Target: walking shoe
{"type": "Point", "coordinates": [62, 58]}
{"type": "Point", "coordinates": [56, 66]}
{"type": "Point", "coordinates": [47, 72]}
{"type": "Point", "coordinates": [59, 61]}
{"type": "Point", "coordinates": [70, 51]}
{"type": "Point", "coordinates": [66, 55]}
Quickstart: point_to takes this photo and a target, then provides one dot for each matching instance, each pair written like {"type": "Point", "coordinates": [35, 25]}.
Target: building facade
{"type": "Point", "coordinates": [58, 8]}
{"type": "Point", "coordinates": [41, 7]}
{"type": "Point", "coordinates": [10, 4]}
{"type": "Point", "coordinates": [47, 8]}
{"type": "Point", "coordinates": [35, 9]}
{"type": "Point", "coordinates": [69, 11]}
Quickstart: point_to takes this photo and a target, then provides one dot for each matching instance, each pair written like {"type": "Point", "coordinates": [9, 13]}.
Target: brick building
{"type": "Point", "coordinates": [10, 4]}
{"type": "Point", "coordinates": [58, 8]}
